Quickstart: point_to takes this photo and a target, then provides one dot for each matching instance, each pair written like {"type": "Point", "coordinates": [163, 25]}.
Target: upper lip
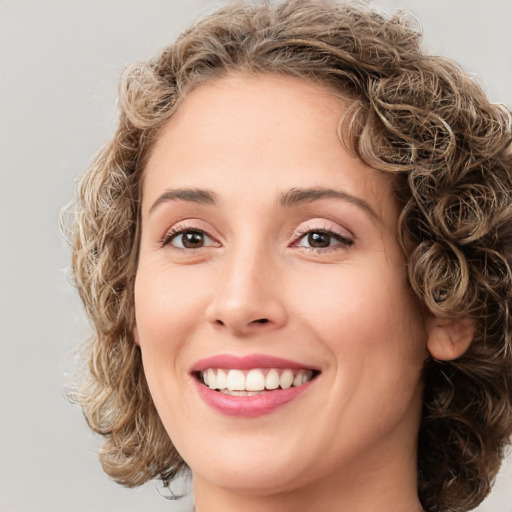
{"type": "Point", "coordinates": [231, 362]}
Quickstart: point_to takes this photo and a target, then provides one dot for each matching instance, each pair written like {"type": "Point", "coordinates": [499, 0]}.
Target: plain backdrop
{"type": "Point", "coordinates": [59, 66]}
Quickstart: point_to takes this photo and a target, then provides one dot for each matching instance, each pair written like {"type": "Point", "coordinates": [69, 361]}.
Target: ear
{"type": "Point", "coordinates": [135, 332]}
{"type": "Point", "coordinates": [449, 339]}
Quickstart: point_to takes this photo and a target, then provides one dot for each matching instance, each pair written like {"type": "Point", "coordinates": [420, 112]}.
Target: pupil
{"type": "Point", "coordinates": [318, 239]}
{"type": "Point", "coordinates": [193, 239]}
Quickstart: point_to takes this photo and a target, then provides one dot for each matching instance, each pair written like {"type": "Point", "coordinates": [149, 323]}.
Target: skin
{"type": "Point", "coordinates": [349, 442]}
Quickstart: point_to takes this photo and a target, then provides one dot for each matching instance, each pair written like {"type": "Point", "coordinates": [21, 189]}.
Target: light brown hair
{"type": "Point", "coordinates": [420, 117]}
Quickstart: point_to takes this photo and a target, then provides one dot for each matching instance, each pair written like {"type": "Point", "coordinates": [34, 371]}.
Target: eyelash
{"type": "Point", "coordinates": [298, 236]}
{"type": "Point", "coordinates": [306, 230]}
{"type": "Point", "coordinates": [180, 229]}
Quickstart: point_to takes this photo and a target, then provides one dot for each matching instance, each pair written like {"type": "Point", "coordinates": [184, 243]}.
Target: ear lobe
{"type": "Point", "coordinates": [135, 332]}
{"type": "Point", "coordinates": [449, 339]}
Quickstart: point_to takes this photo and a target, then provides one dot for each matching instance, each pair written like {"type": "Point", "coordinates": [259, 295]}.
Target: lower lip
{"type": "Point", "coordinates": [250, 406]}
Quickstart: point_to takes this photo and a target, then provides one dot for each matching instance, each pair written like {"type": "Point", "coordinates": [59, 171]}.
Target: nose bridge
{"type": "Point", "coordinates": [247, 296]}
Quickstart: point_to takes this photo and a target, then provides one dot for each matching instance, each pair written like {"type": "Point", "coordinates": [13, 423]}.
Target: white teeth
{"type": "Point", "coordinates": [272, 379]}
{"type": "Point", "coordinates": [255, 381]}
{"type": "Point", "coordinates": [286, 379]}
{"type": "Point", "coordinates": [221, 379]}
{"type": "Point", "coordinates": [211, 378]}
{"type": "Point", "coordinates": [236, 382]}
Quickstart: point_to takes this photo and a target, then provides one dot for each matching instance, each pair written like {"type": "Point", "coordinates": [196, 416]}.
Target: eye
{"type": "Point", "coordinates": [188, 239]}
{"type": "Point", "coordinates": [322, 239]}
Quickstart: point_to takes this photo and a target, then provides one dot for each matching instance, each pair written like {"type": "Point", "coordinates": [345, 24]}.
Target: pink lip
{"type": "Point", "coordinates": [248, 406]}
{"type": "Point", "coordinates": [229, 362]}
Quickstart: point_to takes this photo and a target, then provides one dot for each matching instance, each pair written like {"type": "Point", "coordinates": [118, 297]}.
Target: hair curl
{"type": "Point", "coordinates": [415, 115]}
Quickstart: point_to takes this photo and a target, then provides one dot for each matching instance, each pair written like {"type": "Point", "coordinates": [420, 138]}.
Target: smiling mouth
{"type": "Point", "coordinates": [253, 382]}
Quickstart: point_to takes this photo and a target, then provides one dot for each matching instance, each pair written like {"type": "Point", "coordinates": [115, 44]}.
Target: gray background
{"type": "Point", "coordinates": [59, 65]}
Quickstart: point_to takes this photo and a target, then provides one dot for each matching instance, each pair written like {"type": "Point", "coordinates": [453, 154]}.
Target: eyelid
{"type": "Point", "coordinates": [342, 235]}
{"type": "Point", "coordinates": [184, 227]}
{"type": "Point", "coordinates": [321, 224]}
{"type": "Point", "coordinates": [314, 225]}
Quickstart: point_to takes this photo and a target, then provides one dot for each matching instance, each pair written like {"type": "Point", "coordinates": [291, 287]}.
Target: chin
{"type": "Point", "coordinates": [256, 467]}
{"type": "Point", "coordinates": [252, 477]}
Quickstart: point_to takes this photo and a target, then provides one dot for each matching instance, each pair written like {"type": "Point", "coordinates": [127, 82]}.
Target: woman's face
{"type": "Point", "coordinates": [269, 258]}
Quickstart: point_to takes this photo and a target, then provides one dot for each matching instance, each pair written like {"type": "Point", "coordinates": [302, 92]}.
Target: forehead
{"type": "Point", "coordinates": [238, 111]}
{"type": "Point", "coordinates": [268, 131]}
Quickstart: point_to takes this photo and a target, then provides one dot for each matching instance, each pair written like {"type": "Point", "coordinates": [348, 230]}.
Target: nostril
{"type": "Point", "coordinates": [262, 321]}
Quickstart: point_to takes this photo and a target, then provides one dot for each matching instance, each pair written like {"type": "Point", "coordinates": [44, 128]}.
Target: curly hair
{"type": "Point", "coordinates": [418, 116]}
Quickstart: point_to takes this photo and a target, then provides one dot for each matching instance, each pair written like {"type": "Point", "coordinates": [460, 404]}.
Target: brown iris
{"type": "Point", "coordinates": [192, 239]}
{"type": "Point", "coordinates": [319, 239]}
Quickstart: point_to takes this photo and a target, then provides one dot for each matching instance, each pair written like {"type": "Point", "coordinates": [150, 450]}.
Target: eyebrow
{"type": "Point", "coordinates": [293, 197]}
{"type": "Point", "coordinates": [192, 195]}
{"type": "Point", "coordinates": [297, 196]}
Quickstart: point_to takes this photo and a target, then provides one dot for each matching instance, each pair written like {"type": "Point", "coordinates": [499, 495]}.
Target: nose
{"type": "Point", "coordinates": [248, 298]}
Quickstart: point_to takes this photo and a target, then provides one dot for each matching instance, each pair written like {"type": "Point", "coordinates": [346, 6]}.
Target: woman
{"type": "Point", "coordinates": [296, 255]}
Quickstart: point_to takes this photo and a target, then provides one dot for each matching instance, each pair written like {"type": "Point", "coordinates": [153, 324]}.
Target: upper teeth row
{"type": "Point", "coordinates": [255, 379]}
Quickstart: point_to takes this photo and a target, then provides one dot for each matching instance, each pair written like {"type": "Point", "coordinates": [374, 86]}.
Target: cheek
{"type": "Point", "coordinates": [167, 305]}
{"type": "Point", "coordinates": [166, 313]}
{"type": "Point", "coordinates": [374, 293]}
{"type": "Point", "coordinates": [365, 312]}
{"type": "Point", "coordinates": [163, 315]}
